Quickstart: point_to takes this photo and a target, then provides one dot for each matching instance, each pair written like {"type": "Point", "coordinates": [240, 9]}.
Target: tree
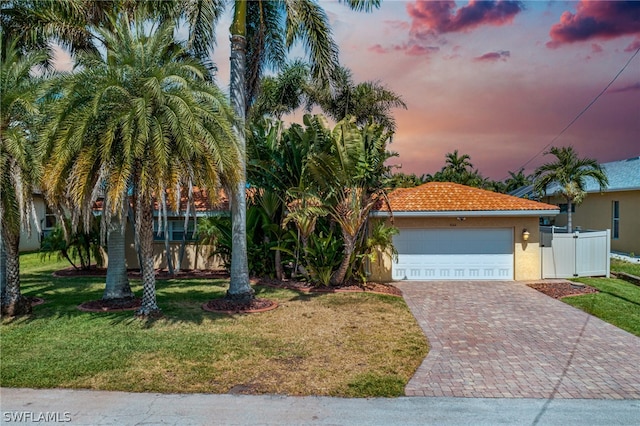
{"type": "Point", "coordinates": [569, 173]}
{"type": "Point", "coordinates": [144, 120]}
{"type": "Point", "coordinates": [349, 174]}
{"type": "Point", "coordinates": [517, 180]}
{"type": "Point", "coordinates": [367, 101]}
{"type": "Point", "coordinates": [261, 32]}
{"type": "Point", "coordinates": [19, 165]}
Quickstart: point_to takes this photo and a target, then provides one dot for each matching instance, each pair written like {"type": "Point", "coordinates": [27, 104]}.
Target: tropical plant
{"type": "Point", "coordinates": [569, 174]}
{"type": "Point", "coordinates": [261, 33]}
{"type": "Point", "coordinates": [81, 246]}
{"type": "Point", "coordinates": [144, 120]}
{"type": "Point", "coordinates": [19, 164]}
{"type": "Point", "coordinates": [517, 180]}
{"type": "Point", "coordinates": [367, 101]}
{"type": "Point", "coordinates": [348, 173]}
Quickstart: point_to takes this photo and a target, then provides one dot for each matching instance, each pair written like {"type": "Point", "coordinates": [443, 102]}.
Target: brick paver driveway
{"type": "Point", "coordinates": [504, 339]}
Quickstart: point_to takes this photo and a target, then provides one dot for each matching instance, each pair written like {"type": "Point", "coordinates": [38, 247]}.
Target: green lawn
{"type": "Point", "coordinates": [331, 344]}
{"type": "Point", "coordinates": [628, 267]}
{"type": "Point", "coordinates": [617, 303]}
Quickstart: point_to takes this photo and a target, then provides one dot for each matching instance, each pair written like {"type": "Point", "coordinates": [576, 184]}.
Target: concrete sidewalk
{"type": "Point", "coordinates": [83, 407]}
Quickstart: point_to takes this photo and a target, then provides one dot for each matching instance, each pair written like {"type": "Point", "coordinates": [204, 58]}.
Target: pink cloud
{"type": "Point", "coordinates": [596, 19]}
{"type": "Point", "coordinates": [411, 49]}
{"type": "Point", "coordinates": [377, 48]}
{"type": "Point", "coordinates": [501, 55]}
{"type": "Point", "coordinates": [635, 45]}
{"type": "Point", "coordinates": [596, 48]}
{"type": "Point", "coordinates": [442, 17]}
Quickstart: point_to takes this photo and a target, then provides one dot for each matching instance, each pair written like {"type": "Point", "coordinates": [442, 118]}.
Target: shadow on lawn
{"type": "Point", "coordinates": [180, 300]}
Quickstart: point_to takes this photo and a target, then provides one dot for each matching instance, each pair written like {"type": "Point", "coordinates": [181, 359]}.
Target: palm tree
{"type": "Point", "coordinates": [569, 173]}
{"type": "Point", "coordinates": [517, 180]}
{"type": "Point", "coordinates": [261, 33]}
{"type": "Point", "coordinates": [145, 118]}
{"type": "Point", "coordinates": [367, 101]}
{"type": "Point", "coordinates": [19, 165]}
{"type": "Point", "coordinates": [348, 173]}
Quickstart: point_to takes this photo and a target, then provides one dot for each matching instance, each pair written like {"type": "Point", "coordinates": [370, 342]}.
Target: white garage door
{"type": "Point", "coordinates": [454, 254]}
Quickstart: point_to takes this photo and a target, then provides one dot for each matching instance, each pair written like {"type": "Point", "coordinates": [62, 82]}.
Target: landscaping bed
{"type": "Point", "coordinates": [558, 290]}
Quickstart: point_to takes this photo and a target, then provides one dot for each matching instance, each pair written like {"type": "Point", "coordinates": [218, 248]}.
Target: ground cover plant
{"type": "Point", "coordinates": [617, 302]}
{"type": "Point", "coordinates": [314, 344]}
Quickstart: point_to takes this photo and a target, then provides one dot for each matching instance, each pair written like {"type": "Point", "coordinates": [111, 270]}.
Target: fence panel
{"type": "Point", "coordinates": [581, 254]}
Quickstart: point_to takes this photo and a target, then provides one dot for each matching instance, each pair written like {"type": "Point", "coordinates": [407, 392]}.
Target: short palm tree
{"type": "Point", "coordinates": [146, 121]}
{"type": "Point", "coordinates": [19, 165]}
{"type": "Point", "coordinates": [569, 173]}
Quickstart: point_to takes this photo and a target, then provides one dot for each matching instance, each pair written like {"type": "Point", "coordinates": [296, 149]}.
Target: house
{"type": "Point", "coordinates": [616, 208]}
{"type": "Point", "coordinates": [196, 256]}
{"type": "Point", "coordinates": [449, 231]}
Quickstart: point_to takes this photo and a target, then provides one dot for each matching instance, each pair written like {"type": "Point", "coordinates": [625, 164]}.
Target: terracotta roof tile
{"type": "Point", "coordinates": [447, 196]}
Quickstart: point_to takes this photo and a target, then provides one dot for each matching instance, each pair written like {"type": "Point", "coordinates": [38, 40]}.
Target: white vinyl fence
{"type": "Point", "coordinates": [580, 254]}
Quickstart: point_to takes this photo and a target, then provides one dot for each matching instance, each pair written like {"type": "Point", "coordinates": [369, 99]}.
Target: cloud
{"type": "Point", "coordinates": [501, 55]}
{"type": "Point", "coordinates": [596, 19]}
{"type": "Point", "coordinates": [411, 49]}
{"type": "Point", "coordinates": [630, 88]}
{"type": "Point", "coordinates": [635, 45]}
{"type": "Point", "coordinates": [596, 48]}
{"type": "Point", "coordinates": [437, 17]}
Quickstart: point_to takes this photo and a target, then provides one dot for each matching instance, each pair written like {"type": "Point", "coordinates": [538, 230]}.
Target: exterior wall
{"type": "Point", "coordinates": [526, 253]}
{"type": "Point", "coordinates": [196, 255]}
{"type": "Point", "coordinates": [31, 241]}
{"type": "Point", "coordinates": [596, 213]}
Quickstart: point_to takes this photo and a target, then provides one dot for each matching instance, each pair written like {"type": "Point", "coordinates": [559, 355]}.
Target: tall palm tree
{"type": "Point", "coordinates": [261, 33]}
{"type": "Point", "coordinates": [19, 165]}
{"type": "Point", "coordinates": [569, 173]}
{"type": "Point", "coordinates": [145, 118]}
{"type": "Point", "coordinates": [367, 101]}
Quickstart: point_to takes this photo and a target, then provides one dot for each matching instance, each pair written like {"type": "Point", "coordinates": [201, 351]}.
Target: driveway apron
{"type": "Point", "coordinates": [504, 339]}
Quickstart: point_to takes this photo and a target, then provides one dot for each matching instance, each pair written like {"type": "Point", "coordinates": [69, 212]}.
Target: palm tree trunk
{"type": "Point", "coordinates": [117, 286]}
{"type": "Point", "coordinates": [3, 267]}
{"type": "Point", "coordinates": [349, 244]}
{"type": "Point", "coordinates": [149, 306]}
{"type": "Point", "coordinates": [239, 288]}
{"type": "Point", "coordinates": [13, 302]}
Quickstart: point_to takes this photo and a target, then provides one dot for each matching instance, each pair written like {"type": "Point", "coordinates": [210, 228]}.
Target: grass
{"type": "Point", "coordinates": [623, 266]}
{"type": "Point", "coordinates": [617, 303]}
{"type": "Point", "coordinates": [358, 345]}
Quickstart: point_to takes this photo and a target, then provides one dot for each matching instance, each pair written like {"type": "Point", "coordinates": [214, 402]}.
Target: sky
{"type": "Point", "coordinates": [497, 80]}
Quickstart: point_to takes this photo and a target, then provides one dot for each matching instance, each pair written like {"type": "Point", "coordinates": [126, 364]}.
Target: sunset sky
{"type": "Point", "coordinates": [497, 80]}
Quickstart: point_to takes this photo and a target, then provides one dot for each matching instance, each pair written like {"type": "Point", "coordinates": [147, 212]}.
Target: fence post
{"type": "Point", "coordinates": [608, 254]}
{"type": "Point", "coordinates": [576, 236]}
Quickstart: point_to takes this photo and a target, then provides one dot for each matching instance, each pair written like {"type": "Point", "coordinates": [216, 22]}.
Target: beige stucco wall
{"type": "Point", "coordinates": [196, 255]}
{"type": "Point", "coordinates": [526, 254]}
{"type": "Point", "coordinates": [596, 212]}
{"type": "Point", "coordinates": [31, 241]}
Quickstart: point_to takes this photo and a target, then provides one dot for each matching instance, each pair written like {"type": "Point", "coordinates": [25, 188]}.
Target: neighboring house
{"type": "Point", "coordinates": [616, 208]}
{"type": "Point", "coordinates": [46, 221]}
{"type": "Point", "coordinates": [455, 232]}
{"type": "Point", "coordinates": [196, 256]}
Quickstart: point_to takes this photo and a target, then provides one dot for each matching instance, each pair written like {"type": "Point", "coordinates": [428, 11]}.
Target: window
{"type": "Point", "coordinates": [49, 218]}
{"type": "Point", "coordinates": [615, 225]}
{"type": "Point", "coordinates": [563, 208]}
{"type": "Point", "coordinates": [176, 230]}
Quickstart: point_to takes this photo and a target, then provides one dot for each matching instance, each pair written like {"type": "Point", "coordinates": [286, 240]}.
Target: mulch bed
{"type": "Point", "coordinates": [113, 305]}
{"type": "Point", "coordinates": [225, 306]}
{"type": "Point", "coordinates": [562, 289]}
{"type": "Point", "coordinates": [161, 274]}
{"type": "Point", "coordinates": [306, 287]}
{"type": "Point", "coordinates": [35, 301]}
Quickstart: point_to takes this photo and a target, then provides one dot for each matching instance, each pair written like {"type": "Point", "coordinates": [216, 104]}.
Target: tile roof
{"type": "Point", "coordinates": [447, 196]}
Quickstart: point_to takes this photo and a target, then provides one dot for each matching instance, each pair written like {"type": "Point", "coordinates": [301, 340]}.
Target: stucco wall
{"type": "Point", "coordinates": [526, 254]}
{"type": "Point", "coordinates": [596, 212]}
{"type": "Point", "coordinates": [196, 255]}
{"type": "Point", "coordinates": [31, 241]}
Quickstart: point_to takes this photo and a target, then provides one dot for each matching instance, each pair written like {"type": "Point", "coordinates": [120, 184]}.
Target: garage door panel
{"type": "Point", "coordinates": [437, 254]}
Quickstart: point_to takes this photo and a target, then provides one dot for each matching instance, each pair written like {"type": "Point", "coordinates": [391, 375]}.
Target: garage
{"type": "Point", "coordinates": [454, 254]}
{"type": "Point", "coordinates": [448, 231]}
